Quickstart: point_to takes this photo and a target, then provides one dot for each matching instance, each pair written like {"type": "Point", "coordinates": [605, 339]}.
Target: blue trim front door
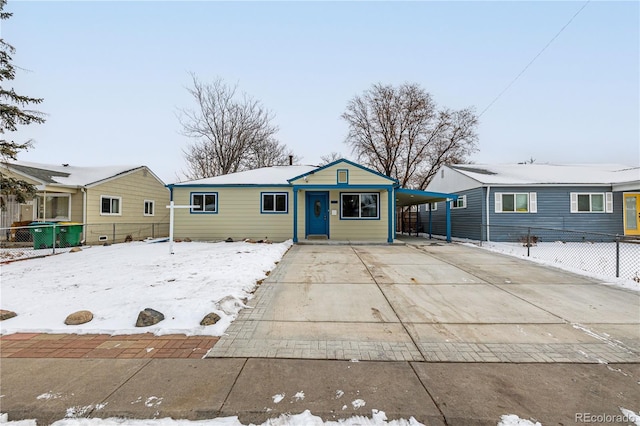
{"type": "Point", "coordinates": [317, 207]}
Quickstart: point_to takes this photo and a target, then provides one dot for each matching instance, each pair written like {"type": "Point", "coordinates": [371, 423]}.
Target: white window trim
{"type": "Point", "coordinates": [203, 211]}
{"type": "Point", "coordinates": [153, 208]}
{"type": "Point", "coordinates": [275, 210]}
{"type": "Point", "coordinates": [44, 195]}
{"type": "Point", "coordinates": [112, 197]}
{"type": "Point", "coordinates": [607, 198]}
{"type": "Point", "coordinates": [462, 199]}
{"type": "Point", "coordinates": [432, 206]}
{"type": "Point", "coordinates": [360, 217]}
{"type": "Point", "coordinates": [532, 204]}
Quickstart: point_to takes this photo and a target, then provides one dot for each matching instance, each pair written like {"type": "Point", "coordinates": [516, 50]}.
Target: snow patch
{"type": "Point", "coordinates": [339, 394]}
{"type": "Point", "coordinates": [299, 396]}
{"type": "Point", "coordinates": [49, 395]}
{"type": "Point", "coordinates": [278, 397]}
{"type": "Point", "coordinates": [631, 416]}
{"type": "Point", "coordinates": [358, 403]}
{"type": "Point", "coordinates": [514, 420]}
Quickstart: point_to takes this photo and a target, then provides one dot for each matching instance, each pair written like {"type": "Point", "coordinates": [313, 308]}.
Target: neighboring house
{"type": "Point", "coordinates": [99, 197]}
{"type": "Point", "coordinates": [340, 201]}
{"type": "Point", "coordinates": [596, 198]}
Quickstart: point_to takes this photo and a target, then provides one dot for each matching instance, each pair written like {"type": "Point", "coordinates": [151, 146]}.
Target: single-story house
{"type": "Point", "coordinates": [341, 201]}
{"type": "Point", "coordinates": [494, 199]}
{"type": "Point", "coordinates": [112, 202]}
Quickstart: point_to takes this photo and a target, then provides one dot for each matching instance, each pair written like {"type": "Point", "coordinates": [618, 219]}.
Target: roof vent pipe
{"type": "Point", "coordinates": [291, 160]}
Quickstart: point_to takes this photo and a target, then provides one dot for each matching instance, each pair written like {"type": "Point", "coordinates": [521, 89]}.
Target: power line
{"type": "Point", "coordinates": [534, 58]}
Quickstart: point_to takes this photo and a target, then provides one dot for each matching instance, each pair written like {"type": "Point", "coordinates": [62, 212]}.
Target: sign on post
{"type": "Point", "coordinates": [171, 208]}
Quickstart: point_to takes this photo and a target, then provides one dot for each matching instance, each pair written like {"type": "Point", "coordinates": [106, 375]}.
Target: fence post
{"type": "Point", "coordinates": [153, 230]}
{"type": "Point", "coordinates": [528, 241]}
{"type": "Point", "coordinates": [113, 241]}
{"type": "Point", "coordinates": [617, 256]}
{"type": "Point", "coordinates": [53, 247]}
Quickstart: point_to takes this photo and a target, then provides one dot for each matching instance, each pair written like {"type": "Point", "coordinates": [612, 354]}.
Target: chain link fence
{"type": "Point", "coordinates": [600, 253]}
{"type": "Point", "coordinates": [47, 238]}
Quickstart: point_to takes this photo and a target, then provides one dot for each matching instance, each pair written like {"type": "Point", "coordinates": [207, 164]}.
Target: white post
{"type": "Point", "coordinates": [171, 207]}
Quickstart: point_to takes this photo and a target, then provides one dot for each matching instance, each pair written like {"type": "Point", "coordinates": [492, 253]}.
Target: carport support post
{"type": "Point", "coordinates": [617, 256]}
{"type": "Point", "coordinates": [447, 203]}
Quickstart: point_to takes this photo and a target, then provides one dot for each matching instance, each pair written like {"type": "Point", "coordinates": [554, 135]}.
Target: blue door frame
{"type": "Point", "coordinates": [317, 213]}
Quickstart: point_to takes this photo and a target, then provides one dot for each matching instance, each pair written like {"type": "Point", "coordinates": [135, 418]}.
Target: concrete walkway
{"type": "Point", "coordinates": [445, 333]}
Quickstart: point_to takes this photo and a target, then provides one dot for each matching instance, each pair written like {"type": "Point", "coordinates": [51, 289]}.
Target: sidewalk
{"type": "Point", "coordinates": [40, 345]}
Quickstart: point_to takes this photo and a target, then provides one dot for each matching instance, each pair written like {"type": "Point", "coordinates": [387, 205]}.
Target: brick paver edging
{"type": "Point", "coordinates": [40, 345]}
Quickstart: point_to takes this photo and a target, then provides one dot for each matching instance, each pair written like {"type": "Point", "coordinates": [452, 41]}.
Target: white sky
{"type": "Point", "coordinates": [114, 73]}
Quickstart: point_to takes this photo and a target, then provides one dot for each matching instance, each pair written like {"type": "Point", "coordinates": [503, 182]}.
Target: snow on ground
{"type": "Point", "coordinates": [116, 282]}
{"type": "Point", "coordinates": [378, 418]}
{"type": "Point", "coordinates": [596, 260]}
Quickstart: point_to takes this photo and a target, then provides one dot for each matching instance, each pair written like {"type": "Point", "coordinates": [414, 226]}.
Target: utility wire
{"type": "Point", "coordinates": [534, 58]}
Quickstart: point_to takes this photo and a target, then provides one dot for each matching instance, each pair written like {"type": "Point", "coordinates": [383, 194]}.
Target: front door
{"type": "Point", "coordinates": [317, 206]}
{"type": "Point", "coordinates": [632, 214]}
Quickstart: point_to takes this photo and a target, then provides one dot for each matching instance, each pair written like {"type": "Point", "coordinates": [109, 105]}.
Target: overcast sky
{"type": "Point", "coordinates": [113, 74]}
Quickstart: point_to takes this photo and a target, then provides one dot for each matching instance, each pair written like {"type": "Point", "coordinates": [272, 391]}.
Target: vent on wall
{"type": "Point", "coordinates": [103, 238]}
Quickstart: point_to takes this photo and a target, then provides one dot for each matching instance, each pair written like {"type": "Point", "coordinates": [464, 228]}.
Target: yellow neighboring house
{"type": "Point", "coordinates": [342, 201]}
{"type": "Point", "coordinates": [114, 203]}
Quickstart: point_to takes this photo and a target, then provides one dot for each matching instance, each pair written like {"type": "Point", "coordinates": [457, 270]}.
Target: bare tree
{"type": "Point", "coordinates": [400, 132]}
{"type": "Point", "coordinates": [233, 132]}
{"type": "Point", "coordinates": [330, 158]}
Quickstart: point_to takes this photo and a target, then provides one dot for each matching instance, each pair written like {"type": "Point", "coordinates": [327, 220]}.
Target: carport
{"type": "Point", "coordinates": [414, 197]}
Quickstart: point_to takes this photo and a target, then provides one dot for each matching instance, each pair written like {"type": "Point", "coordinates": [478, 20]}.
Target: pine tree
{"type": "Point", "coordinates": [14, 112]}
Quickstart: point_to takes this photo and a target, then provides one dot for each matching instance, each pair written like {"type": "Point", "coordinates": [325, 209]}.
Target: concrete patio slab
{"type": "Point", "coordinates": [174, 388]}
{"type": "Point", "coordinates": [587, 303]}
{"type": "Point", "coordinates": [457, 253]}
{"type": "Point", "coordinates": [522, 273]}
{"type": "Point", "coordinates": [323, 257]}
{"type": "Point", "coordinates": [499, 333]}
{"type": "Point", "coordinates": [472, 303]}
{"type": "Point", "coordinates": [326, 273]}
{"type": "Point", "coordinates": [420, 274]}
{"type": "Point", "coordinates": [479, 394]}
{"type": "Point", "coordinates": [627, 334]}
{"type": "Point", "coordinates": [58, 388]}
{"type": "Point", "coordinates": [395, 256]}
{"type": "Point", "coordinates": [329, 302]}
{"type": "Point", "coordinates": [332, 390]}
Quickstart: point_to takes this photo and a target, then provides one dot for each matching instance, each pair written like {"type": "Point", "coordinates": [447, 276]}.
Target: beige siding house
{"type": "Point", "coordinates": [341, 201]}
{"type": "Point", "coordinates": [111, 202]}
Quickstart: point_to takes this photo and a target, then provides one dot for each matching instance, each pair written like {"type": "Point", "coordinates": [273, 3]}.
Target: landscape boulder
{"type": "Point", "coordinates": [149, 317]}
{"type": "Point", "coordinates": [210, 319]}
{"type": "Point", "coordinates": [75, 250]}
{"type": "Point", "coordinates": [4, 314]}
{"type": "Point", "coordinates": [78, 318]}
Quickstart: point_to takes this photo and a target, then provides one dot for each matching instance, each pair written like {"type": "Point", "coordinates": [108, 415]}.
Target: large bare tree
{"type": "Point", "coordinates": [232, 132]}
{"type": "Point", "coordinates": [400, 132]}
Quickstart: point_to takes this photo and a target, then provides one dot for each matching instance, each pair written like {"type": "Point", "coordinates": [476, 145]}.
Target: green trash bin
{"type": "Point", "coordinates": [44, 234]}
{"type": "Point", "coordinates": [70, 234]}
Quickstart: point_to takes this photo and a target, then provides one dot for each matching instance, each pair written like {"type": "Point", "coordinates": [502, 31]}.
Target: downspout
{"type": "Point", "coordinates": [448, 210]}
{"type": "Point", "coordinates": [84, 213]}
{"type": "Point", "coordinates": [487, 212]}
{"type": "Point", "coordinates": [295, 214]}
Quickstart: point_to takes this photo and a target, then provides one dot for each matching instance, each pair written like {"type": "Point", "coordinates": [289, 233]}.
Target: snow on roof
{"type": "Point", "coordinates": [68, 175]}
{"type": "Point", "coordinates": [275, 175]}
{"type": "Point", "coordinates": [527, 174]}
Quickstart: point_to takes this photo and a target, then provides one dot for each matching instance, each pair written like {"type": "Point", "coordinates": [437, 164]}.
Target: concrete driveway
{"type": "Point", "coordinates": [433, 302]}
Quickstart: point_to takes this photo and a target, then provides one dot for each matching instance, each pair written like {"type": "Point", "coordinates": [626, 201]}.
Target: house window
{"type": "Point", "coordinates": [110, 205]}
{"type": "Point", "coordinates": [343, 176]}
{"type": "Point", "coordinates": [360, 206]}
{"type": "Point", "coordinates": [149, 207]}
{"type": "Point", "coordinates": [54, 207]}
{"type": "Point", "coordinates": [516, 202]}
{"type": "Point", "coordinates": [460, 202]}
{"type": "Point", "coordinates": [599, 202]}
{"type": "Point", "coordinates": [206, 202]}
{"type": "Point", "coordinates": [274, 202]}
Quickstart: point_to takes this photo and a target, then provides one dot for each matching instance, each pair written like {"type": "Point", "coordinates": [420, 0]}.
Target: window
{"type": "Point", "coordinates": [149, 207]}
{"type": "Point", "coordinates": [591, 202]}
{"type": "Point", "coordinates": [343, 176]}
{"type": "Point", "coordinates": [460, 203]}
{"type": "Point", "coordinates": [206, 202]}
{"type": "Point", "coordinates": [518, 202]}
{"type": "Point", "coordinates": [274, 202]}
{"type": "Point", "coordinates": [359, 206]}
{"type": "Point", "coordinates": [110, 205]}
{"type": "Point", "coordinates": [54, 207]}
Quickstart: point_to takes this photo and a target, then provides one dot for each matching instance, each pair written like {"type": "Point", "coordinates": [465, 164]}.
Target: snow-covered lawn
{"type": "Point", "coordinates": [597, 260]}
{"type": "Point", "coordinates": [116, 282]}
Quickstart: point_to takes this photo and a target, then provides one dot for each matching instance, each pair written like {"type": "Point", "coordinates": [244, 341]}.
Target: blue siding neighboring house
{"type": "Point", "coordinates": [499, 202]}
